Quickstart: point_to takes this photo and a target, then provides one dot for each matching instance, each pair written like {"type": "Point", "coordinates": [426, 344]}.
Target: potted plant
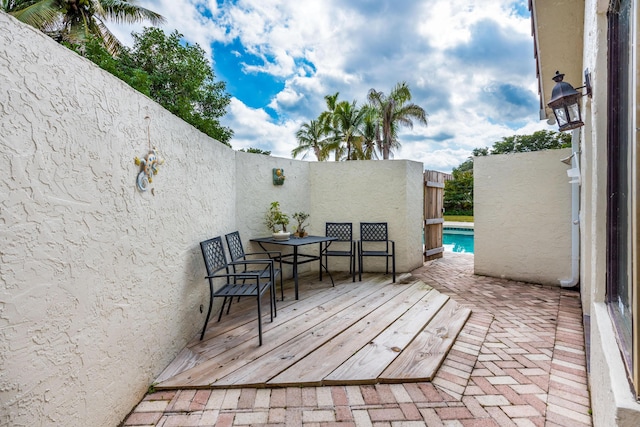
{"type": "Point", "coordinates": [277, 221]}
{"type": "Point", "coordinates": [301, 217]}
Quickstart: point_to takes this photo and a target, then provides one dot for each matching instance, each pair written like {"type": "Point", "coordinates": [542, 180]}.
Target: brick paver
{"type": "Point", "coordinates": [519, 361]}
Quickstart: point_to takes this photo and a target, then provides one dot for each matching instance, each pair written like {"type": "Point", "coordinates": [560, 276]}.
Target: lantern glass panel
{"type": "Point", "coordinates": [561, 116]}
{"type": "Point", "coordinates": [574, 112]}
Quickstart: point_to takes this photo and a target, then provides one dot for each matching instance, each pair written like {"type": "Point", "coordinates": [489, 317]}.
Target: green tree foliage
{"type": "Point", "coordinates": [348, 121]}
{"type": "Point", "coordinates": [540, 140]}
{"type": "Point", "coordinates": [360, 133]}
{"type": "Point", "coordinates": [74, 21]}
{"type": "Point", "coordinates": [123, 67]}
{"type": "Point", "coordinates": [178, 76]}
{"type": "Point", "coordinates": [458, 193]}
{"type": "Point", "coordinates": [329, 132]}
{"type": "Point", "coordinates": [311, 137]}
{"type": "Point", "coordinates": [182, 80]}
{"type": "Point", "coordinates": [393, 111]}
{"type": "Point", "coordinates": [256, 151]}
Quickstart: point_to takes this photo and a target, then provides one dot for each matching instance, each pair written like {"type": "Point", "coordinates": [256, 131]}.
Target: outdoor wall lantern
{"type": "Point", "coordinates": [565, 102]}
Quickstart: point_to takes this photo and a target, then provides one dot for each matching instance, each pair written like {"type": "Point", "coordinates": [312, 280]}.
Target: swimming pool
{"type": "Point", "coordinates": [457, 239]}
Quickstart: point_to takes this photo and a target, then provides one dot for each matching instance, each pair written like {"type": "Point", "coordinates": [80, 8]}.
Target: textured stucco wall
{"type": "Point", "coordinates": [612, 400]}
{"type": "Point", "coordinates": [378, 191]}
{"type": "Point", "coordinates": [256, 192]}
{"type": "Point", "coordinates": [100, 284]}
{"type": "Point", "coordinates": [336, 191]}
{"type": "Point", "coordinates": [522, 214]}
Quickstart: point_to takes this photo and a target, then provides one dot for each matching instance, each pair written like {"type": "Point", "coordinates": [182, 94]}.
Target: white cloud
{"type": "Point", "coordinates": [255, 129]}
{"type": "Point", "coordinates": [469, 63]}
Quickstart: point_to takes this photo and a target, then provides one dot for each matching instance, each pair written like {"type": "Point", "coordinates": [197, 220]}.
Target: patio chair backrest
{"type": "Point", "coordinates": [341, 230]}
{"type": "Point", "coordinates": [373, 231]}
{"type": "Point", "coordinates": [234, 243]}
{"type": "Point", "coordinates": [214, 256]}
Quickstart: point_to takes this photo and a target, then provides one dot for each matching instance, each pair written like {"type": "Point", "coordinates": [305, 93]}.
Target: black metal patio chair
{"type": "Point", "coordinates": [242, 284]}
{"type": "Point", "coordinates": [237, 253]}
{"type": "Point", "coordinates": [346, 246]}
{"type": "Point", "coordinates": [374, 242]}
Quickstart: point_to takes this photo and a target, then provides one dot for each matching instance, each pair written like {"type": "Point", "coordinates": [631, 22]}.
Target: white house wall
{"type": "Point", "coordinates": [372, 191]}
{"type": "Point", "coordinates": [612, 401]}
{"type": "Point", "coordinates": [256, 192]}
{"type": "Point", "coordinates": [357, 191]}
{"type": "Point", "coordinates": [101, 284]}
{"type": "Point", "coordinates": [522, 213]}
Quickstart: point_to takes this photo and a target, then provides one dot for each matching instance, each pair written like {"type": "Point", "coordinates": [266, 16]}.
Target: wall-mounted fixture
{"type": "Point", "coordinates": [565, 102]}
{"type": "Point", "coordinates": [149, 164]}
{"type": "Point", "coordinates": [278, 176]}
{"type": "Point", "coordinates": [574, 172]}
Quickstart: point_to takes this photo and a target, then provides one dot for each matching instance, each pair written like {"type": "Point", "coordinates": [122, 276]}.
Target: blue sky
{"type": "Point", "coordinates": [469, 64]}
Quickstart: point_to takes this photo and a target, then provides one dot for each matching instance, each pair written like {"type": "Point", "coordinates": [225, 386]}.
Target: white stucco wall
{"type": "Point", "coordinates": [612, 400]}
{"type": "Point", "coordinates": [256, 192]}
{"type": "Point", "coordinates": [378, 191]}
{"type": "Point", "coordinates": [100, 284]}
{"type": "Point", "coordinates": [336, 192]}
{"type": "Point", "coordinates": [522, 215]}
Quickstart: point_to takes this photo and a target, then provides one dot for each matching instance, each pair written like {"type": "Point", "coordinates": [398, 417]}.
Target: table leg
{"type": "Point", "coordinates": [320, 262]}
{"type": "Point", "coordinates": [295, 269]}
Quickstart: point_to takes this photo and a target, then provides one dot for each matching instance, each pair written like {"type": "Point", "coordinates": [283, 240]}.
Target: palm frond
{"type": "Point", "coordinates": [127, 11]}
{"type": "Point", "coordinates": [40, 14]}
{"type": "Point", "coordinates": [111, 43]}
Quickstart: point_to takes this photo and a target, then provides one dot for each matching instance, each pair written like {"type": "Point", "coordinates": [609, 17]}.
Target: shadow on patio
{"type": "Point", "coordinates": [518, 360]}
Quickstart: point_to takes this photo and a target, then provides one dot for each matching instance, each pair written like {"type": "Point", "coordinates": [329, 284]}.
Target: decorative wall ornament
{"type": "Point", "coordinates": [149, 165]}
{"type": "Point", "coordinates": [278, 176]}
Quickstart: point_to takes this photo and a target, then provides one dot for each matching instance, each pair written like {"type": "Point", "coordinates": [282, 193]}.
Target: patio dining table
{"type": "Point", "coordinates": [297, 258]}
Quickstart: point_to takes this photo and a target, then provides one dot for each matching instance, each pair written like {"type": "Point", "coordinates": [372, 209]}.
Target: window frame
{"type": "Point", "coordinates": [622, 276]}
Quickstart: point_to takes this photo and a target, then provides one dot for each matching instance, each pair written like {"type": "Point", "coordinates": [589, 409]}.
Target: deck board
{"type": "Point", "coordinates": [234, 349]}
{"type": "Point", "coordinates": [423, 357]}
{"type": "Point", "coordinates": [317, 365]}
{"type": "Point", "coordinates": [329, 324]}
{"type": "Point", "coordinates": [370, 361]}
{"type": "Point", "coordinates": [348, 334]}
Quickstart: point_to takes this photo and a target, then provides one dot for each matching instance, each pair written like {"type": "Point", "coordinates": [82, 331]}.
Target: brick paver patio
{"type": "Point", "coordinates": [519, 361]}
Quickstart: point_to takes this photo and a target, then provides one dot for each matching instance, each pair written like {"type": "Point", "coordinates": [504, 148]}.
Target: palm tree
{"type": "Point", "coordinates": [310, 136]}
{"type": "Point", "coordinates": [348, 120]}
{"type": "Point", "coordinates": [327, 121]}
{"type": "Point", "coordinates": [368, 146]}
{"type": "Point", "coordinates": [394, 111]}
{"type": "Point", "coordinates": [74, 21]}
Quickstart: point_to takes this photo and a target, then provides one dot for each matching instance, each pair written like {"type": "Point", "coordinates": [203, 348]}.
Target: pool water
{"type": "Point", "coordinates": [458, 242]}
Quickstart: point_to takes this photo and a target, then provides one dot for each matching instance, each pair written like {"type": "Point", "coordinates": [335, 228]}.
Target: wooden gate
{"type": "Point", "coordinates": [433, 214]}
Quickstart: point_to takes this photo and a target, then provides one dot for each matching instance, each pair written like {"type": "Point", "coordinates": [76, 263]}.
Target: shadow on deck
{"type": "Point", "coordinates": [354, 333]}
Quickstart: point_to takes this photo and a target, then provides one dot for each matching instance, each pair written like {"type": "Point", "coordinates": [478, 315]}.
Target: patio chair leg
{"type": "Point", "coordinates": [281, 287]}
{"type": "Point", "coordinates": [224, 302]}
{"type": "Point", "coordinates": [259, 321]}
{"type": "Point", "coordinates": [272, 301]}
{"type": "Point", "coordinates": [204, 328]}
{"type": "Point", "coordinates": [394, 268]}
{"type": "Point", "coordinates": [352, 263]}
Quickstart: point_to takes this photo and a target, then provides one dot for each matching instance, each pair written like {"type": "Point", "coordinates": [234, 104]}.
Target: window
{"type": "Point", "coordinates": [621, 282]}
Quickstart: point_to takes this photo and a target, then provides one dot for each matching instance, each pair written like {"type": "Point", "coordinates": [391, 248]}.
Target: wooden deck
{"type": "Point", "coordinates": [354, 333]}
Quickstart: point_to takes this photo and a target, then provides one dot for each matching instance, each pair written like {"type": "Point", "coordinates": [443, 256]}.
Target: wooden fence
{"type": "Point", "coordinates": [433, 213]}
